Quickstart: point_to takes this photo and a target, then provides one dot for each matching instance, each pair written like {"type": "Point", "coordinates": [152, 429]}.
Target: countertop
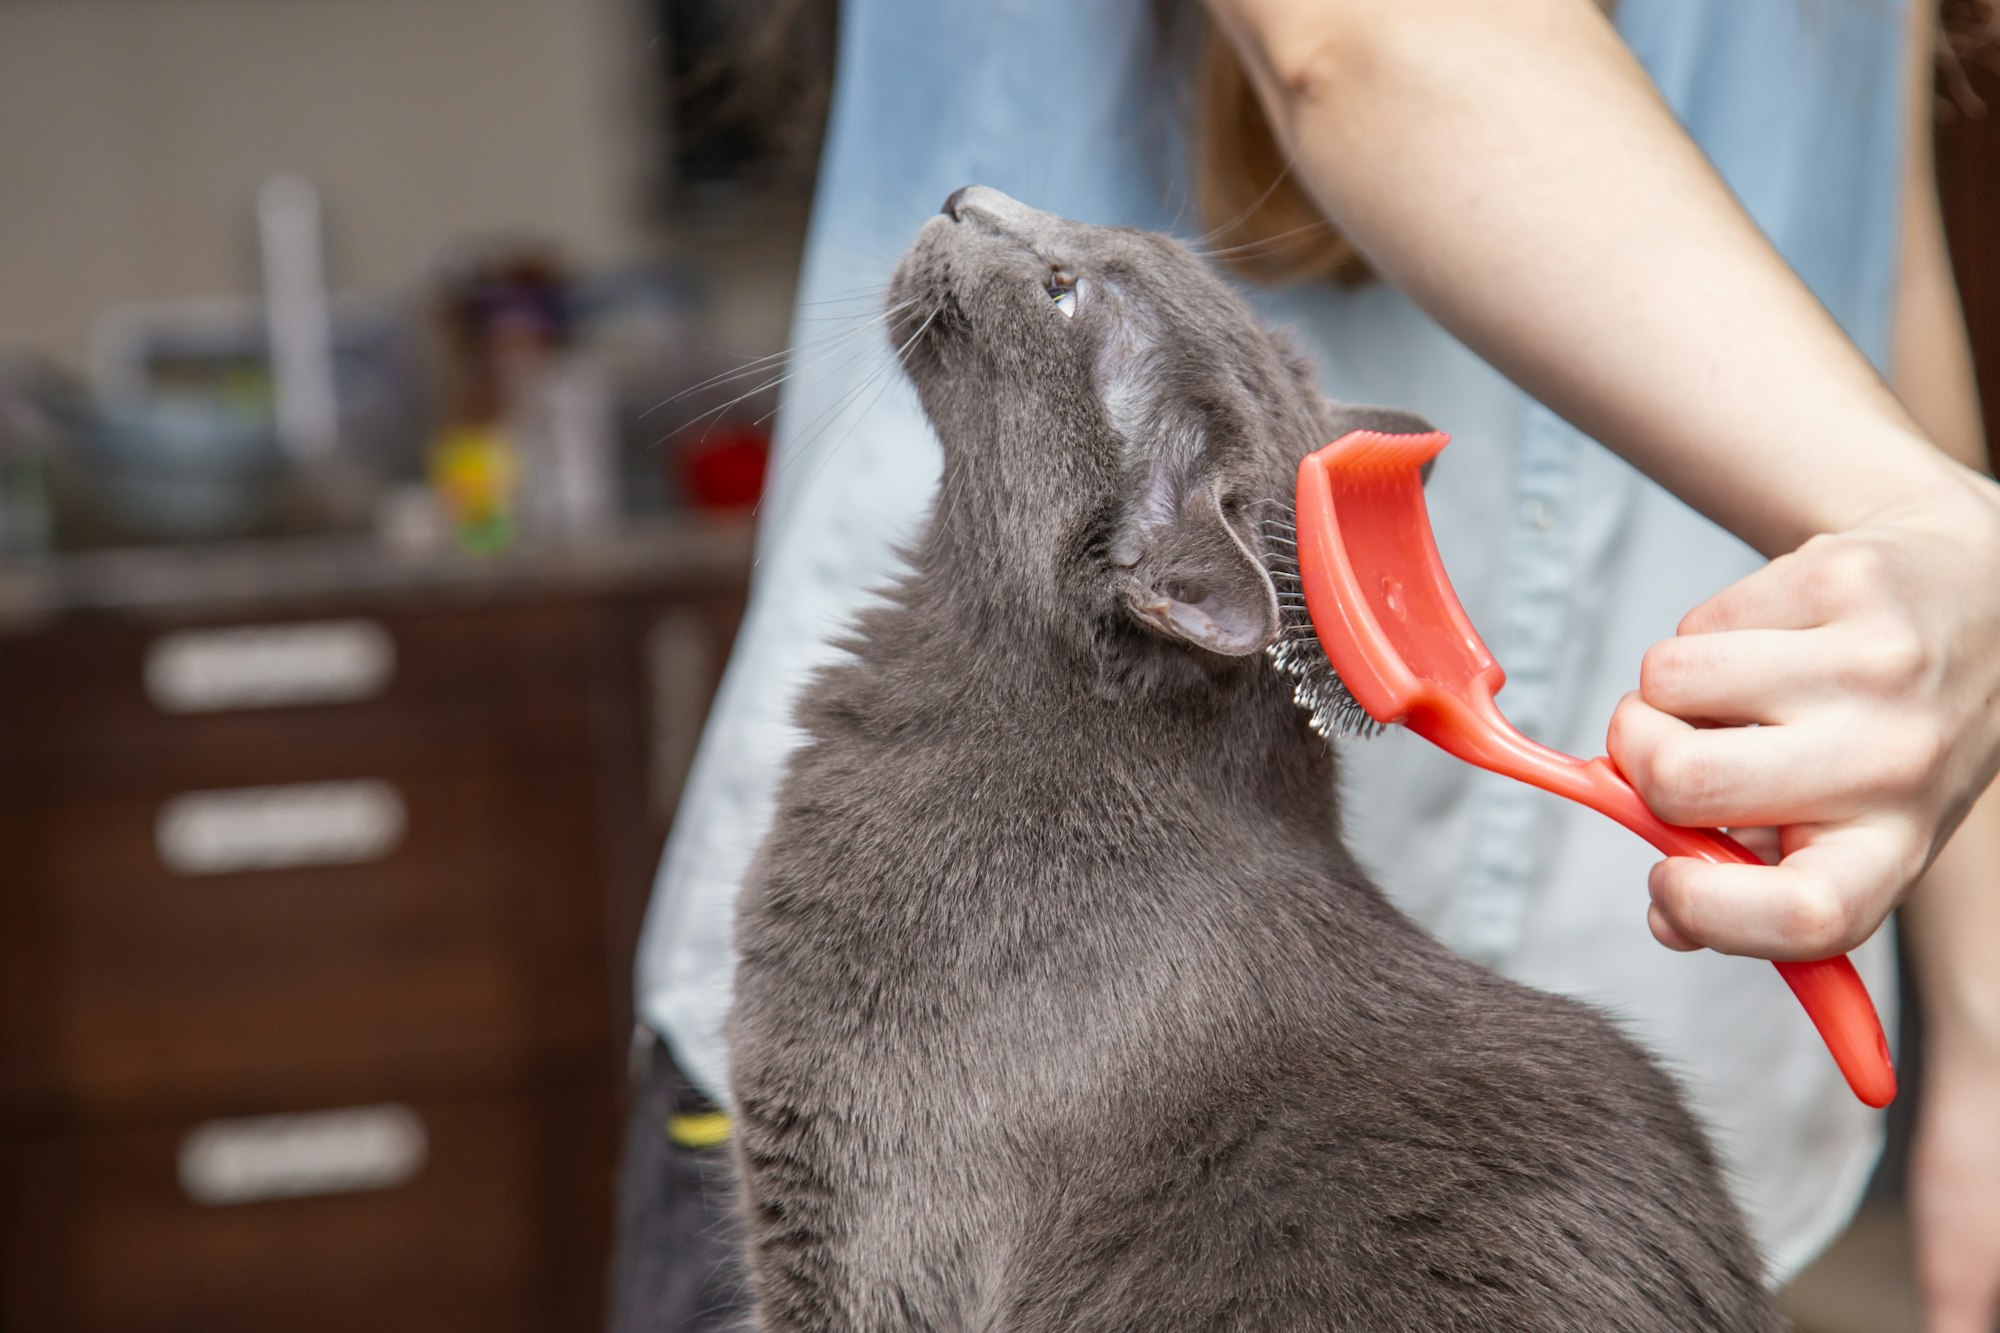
{"type": "Point", "coordinates": [247, 578]}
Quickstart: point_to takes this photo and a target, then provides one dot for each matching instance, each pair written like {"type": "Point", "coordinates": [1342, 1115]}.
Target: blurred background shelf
{"type": "Point", "coordinates": [229, 900]}
{"type": "Point", "coordinates": [243, 577]}
{"type": "Point", "coordinates": [375, 487]}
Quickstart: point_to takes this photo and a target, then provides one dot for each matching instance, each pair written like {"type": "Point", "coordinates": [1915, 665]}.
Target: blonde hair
{"type": "Point", "coordinates": [1258, 218]}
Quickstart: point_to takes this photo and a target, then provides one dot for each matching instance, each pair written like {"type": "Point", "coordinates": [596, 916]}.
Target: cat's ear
{"type": "Point", "coordinates": [1196, 580]}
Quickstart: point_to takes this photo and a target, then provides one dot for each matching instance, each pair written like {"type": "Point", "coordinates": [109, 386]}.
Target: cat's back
{"type": "Point", "coordinates": [1492, 1158]}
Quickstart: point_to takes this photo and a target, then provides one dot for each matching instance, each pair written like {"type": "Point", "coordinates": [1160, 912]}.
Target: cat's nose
{"type": "Point", "coordinates": [990, 207]}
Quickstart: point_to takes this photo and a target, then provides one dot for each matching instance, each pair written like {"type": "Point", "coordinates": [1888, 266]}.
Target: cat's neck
{"type": "Point", "coordinates": [939, 662]}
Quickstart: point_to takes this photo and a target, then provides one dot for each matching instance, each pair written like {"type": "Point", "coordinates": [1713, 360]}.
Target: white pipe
{"type": "Point", "coordinates": [297, 316]}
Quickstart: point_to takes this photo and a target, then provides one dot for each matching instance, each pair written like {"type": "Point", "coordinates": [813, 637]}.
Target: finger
{"type": "Point", "coordinates": [1663, 931]}
{"type": "Point", "coordinates": [1750, 675]}
{"type": "Point", "coordinates": [1767, 598]}
{"type": "Point", "coordinates": [1822, 900]}
{"type": "Point", "coordinates": [1814, 585]}
{"type": "Point", "coordinates": [1714, 777]}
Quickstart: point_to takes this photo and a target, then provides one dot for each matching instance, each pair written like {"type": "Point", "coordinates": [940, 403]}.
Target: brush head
{"type": "Point", "coordinates": [1370, 630]}
{"type": "Point", "coordinates": [1297, 652]}
{"type": "Point", "coordinates": [1375, 589]}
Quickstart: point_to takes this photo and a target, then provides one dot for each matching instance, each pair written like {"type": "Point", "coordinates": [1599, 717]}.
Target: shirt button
{"type": "Point", "coordinates": [1539, 516]}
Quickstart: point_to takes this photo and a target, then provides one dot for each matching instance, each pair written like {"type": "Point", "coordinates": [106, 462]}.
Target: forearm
{"type": "Point", "coordinates": [1933, 364]}
{"type": "Point", "coordinates": [1930, 358]}
{"type": "Point", "coordinates": [1952, 923]}
{"type": "Point", "coordinates": [1952, 920]}
{"type": "Point", "coordinates": [1508, 164]}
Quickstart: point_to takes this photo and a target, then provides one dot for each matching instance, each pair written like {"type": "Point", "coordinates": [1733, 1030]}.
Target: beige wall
{"type": "Point", "coordinates": [133, 134]}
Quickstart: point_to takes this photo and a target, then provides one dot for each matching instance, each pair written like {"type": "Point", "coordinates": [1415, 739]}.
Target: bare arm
{"type": "Point", "coordinates": [1952, 920]}
{"type": "Point", "coordinates": [1508, 164]}
{"type": "Point", "coordinates": [1952, 923]}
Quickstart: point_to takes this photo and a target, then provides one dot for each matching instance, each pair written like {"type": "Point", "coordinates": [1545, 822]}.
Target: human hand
{"type": "Point", "coordinates": [1954, 1190]}
{"type": "Point", "coordinates": [1869, 661]}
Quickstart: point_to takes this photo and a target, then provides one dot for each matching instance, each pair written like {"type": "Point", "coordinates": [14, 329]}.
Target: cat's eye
{"type": "Point", "coordinates": [1062, 290]}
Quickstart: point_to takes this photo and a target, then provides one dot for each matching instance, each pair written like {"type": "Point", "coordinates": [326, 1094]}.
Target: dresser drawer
{"type": "Point", "coordinates": [383, 1216]}
{"type": "Point", "coordinates": [280, 935]}
{"type": "Point", "coordinates": [100, 701]}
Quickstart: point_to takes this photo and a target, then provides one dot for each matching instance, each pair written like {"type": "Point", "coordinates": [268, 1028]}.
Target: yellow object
{"type": "Point", "coordinates": [703, 1129]}
{"type": "Point", "coordinates": [474, 472]}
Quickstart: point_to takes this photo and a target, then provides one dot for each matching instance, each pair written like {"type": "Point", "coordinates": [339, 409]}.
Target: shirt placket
{"type": "Point", "coordinates": [1538, 597]}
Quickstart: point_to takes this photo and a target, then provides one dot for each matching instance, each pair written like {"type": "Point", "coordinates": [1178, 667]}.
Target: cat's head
{"type": "Point", "coordinates": [1116, 423]}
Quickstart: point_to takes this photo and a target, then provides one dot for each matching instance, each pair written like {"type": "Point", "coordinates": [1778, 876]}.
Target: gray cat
{"type": "Point", "coordinates": [1062, 1006]}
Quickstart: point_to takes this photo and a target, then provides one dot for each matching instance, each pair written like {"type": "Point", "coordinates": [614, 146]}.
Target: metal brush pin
{"type": "Point", "coordinates": [1296, 652]}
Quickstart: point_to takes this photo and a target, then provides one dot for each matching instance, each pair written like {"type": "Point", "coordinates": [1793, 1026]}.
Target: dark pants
{"type": "Point", "coordinates": [676, 1267]}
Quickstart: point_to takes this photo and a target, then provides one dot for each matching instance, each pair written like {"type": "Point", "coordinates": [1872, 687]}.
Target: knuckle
{"type": "Point", "coordinates": [1893, 658]}
{"type": "Point", "coordinates": [1848, 574]}
{"type": "Point", "coordinates": [1680, 778]}
{"type": "Point", "coordinates": [1816, 919]}
{"type": "Point", "coordinates": [1663, 673]}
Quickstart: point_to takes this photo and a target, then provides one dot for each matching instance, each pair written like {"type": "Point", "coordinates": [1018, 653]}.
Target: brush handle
{"type": "Point", "coordinates": [1829, 989]}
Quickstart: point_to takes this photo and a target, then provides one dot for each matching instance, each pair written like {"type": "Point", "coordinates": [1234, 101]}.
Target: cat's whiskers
{"type": "Point", "coordinates": [1199, 243]}
{"type": "Point", "coordinates": [759, 363]}
{"type": "Point", "coordinates": [1267, 245]}
{"type": "Point", "coordinates": [825, 346]}
{"type": "Point", "coordinates": [871, 292]}
{"type": "Point", "coordinates": [879, 379]}
{"type": "Point", "coordinates": [846, 343]}
{"type": "Point", "coordinates": [899, 308]}
{"type": "Point", "coordinates": [715, 414]}
{"type": "Point", "coordinates": [826, 417]}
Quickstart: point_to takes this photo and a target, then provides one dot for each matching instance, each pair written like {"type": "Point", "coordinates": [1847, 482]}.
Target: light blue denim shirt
{"type": "Point", "coordinates": [1569, 561]}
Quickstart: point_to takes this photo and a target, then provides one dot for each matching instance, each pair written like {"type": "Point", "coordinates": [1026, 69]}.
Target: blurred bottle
{"type": "Point", "coordinates": [559, 412]}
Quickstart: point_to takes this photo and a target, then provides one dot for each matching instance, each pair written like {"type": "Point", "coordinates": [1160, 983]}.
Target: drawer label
{"type": "Point", "coordinates": [269, 666]}
{"type": "Point", "coordinates": [341, 1151]}
{"type": "Point", "coordinates": [278, 828]}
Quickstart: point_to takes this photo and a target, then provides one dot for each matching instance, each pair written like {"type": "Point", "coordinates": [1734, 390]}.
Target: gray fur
{"type": "Point", "coordinates": [1062, 1006]}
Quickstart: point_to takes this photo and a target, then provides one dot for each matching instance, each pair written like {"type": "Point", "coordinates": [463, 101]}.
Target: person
{"type": "Point", "coordinates": [1675, 278]}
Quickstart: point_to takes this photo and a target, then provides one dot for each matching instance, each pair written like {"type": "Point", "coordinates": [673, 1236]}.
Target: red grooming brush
{"type": "Point", "coordinates": [1394, 634]}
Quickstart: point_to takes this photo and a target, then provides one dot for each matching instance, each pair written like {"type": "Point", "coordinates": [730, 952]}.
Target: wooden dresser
{"type": "Point", "coordinates": [320, 872]}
